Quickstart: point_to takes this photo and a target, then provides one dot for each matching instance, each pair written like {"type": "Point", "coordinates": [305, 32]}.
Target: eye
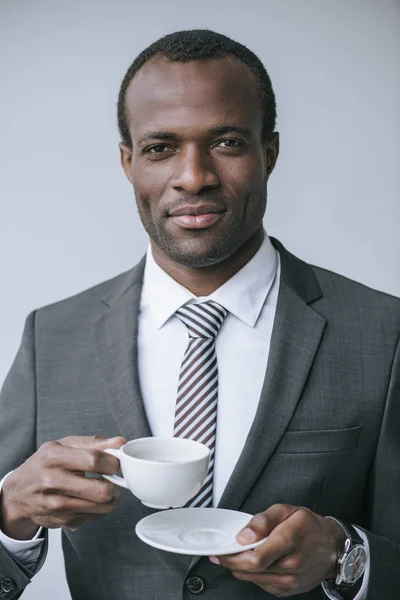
{"type": "Point", "coordinates": [158, 152]}
{"type": "Point", "coordinates": [229, 143]}
{"type": "Point", "coordinates": [157, 149]}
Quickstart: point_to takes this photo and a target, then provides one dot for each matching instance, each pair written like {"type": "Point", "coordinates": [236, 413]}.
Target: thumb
{"type": "Point", "coordinates": [263, 523]}
{"type": "Point", "coordinates": [95, 442]}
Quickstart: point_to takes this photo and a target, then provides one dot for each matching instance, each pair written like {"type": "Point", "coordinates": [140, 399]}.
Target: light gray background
{"type": "Point", "coordinates": [67, 216]}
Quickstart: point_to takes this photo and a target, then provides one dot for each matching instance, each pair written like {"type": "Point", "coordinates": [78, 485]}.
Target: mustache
{"type": "Point", "coordinates": [219, 202]}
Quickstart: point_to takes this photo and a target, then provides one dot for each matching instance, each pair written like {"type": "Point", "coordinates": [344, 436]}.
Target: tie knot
{"type": "Point", "coordinates": [202, 320]}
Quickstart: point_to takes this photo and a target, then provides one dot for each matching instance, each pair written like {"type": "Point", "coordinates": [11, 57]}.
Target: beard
{"type": "Point", "coordinates": [201, 248]}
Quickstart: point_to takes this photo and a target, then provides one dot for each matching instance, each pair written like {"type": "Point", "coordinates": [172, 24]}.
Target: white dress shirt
{"type": "Point", "coordinates": [250, 297]}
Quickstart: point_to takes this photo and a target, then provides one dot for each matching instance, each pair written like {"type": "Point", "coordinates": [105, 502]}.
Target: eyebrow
{"type": "Point", "coordinates": [159, 135]}
{"type": "Point", "coordinates": [230, 129]}
{"type": "Point", "coordinates": [167, 135]}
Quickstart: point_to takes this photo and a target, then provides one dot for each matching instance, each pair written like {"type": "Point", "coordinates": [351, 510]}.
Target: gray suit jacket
{"type": "Point", "coordinates": [326, 433]}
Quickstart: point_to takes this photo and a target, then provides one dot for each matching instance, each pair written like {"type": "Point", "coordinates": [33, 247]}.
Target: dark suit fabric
{"type": "Point", "coordinates": [326, 434]}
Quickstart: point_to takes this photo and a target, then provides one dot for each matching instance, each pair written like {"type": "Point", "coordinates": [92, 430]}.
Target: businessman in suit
{"type": "Point", "coordinates": [304, 370]}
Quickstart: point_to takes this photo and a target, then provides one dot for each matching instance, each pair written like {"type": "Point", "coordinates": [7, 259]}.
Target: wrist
{"type": "Point", "coordinates": [338, 538]}
{"type": "Point", "coordinates": [13, 524]}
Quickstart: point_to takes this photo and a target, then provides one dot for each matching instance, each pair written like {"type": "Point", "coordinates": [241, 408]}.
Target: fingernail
{"type": "Point", "coordinates": [247, 536]}
{"type": "Point", "coordinates": [214, 560]}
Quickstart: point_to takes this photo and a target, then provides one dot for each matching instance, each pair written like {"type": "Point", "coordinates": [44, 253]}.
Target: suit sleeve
{"type": "Point", "coordinates": [383, 499]}
{"type": "Point", "coordinates": [17, 443]}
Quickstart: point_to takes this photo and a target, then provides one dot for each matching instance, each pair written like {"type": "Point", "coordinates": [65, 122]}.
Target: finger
{"type": "Point", "coordinates": [64, 507]}
{"type": "Point", "coordinates": [68, 521]}
{"type": "Point", "coordinates": [76, 486]}
{"type": "Point", "coordinates": [277, 545]}
{"type": "Point", "coordinates": [288, 565]}
{"type": "Point", "coordinates": [97, 442]}
{"type": "Point", "coordinates": [263, 523]}
{"type": "Point", "coordinates": [243, 561]}
{"type": "Point", "coordinates": [68, 458]}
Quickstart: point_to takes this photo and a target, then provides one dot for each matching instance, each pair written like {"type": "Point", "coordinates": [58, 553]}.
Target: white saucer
{"type": "Point", "coordinates": [195, 531]}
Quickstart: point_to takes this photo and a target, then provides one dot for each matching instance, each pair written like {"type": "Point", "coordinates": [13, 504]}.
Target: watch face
{"type": "Point", "coordinates": [354, 565]}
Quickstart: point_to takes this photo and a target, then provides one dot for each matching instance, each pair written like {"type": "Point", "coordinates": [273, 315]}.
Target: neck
{"type": "Point", "coordinates": [204, 281]}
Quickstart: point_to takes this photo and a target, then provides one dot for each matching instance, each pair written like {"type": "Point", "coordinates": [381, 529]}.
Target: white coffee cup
{"type": "Point", "coordinates": [161, 472]}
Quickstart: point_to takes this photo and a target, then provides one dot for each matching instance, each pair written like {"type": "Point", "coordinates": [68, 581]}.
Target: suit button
{"type": "Point", "coordinates": [6, 586]}
{"type": "Point", "coordinates": [195, 585]}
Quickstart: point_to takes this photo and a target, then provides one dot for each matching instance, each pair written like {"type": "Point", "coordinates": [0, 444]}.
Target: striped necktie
{"type": "Point", "coordinates": [196, 405]}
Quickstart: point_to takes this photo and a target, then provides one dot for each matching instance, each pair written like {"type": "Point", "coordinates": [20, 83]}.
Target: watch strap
{"type": "Point", "coordinates": [350, 531]}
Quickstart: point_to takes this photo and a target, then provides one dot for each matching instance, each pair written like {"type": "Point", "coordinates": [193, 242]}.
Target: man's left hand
{"type": "Point", "coordinates": [302, 550]}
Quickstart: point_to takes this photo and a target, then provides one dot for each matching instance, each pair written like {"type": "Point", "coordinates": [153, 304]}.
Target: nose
{"type": "Point", "coordinates": [194, 172]}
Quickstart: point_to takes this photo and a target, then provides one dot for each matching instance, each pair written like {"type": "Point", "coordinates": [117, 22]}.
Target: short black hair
{"type": "Point", "coordinates": [200, 44]}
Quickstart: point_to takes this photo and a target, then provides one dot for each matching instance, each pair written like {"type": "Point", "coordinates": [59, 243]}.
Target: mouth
{"type": "Point", "coordinates": [200, 216]}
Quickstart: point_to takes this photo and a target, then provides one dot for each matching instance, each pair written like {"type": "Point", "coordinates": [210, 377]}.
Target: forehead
{"type": "Point", "coordinates": [166, 95]}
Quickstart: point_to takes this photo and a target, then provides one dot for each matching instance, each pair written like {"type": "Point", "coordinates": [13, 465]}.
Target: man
{"type": "Point", "coordinates": [304, 366]}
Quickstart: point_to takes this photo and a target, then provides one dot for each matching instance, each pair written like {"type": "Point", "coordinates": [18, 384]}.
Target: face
{"type": "Point", "coordinates": [199, 164]}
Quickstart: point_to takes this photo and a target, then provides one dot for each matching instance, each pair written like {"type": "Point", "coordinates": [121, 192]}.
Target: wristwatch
{"type": "Point", "coordinates": [353, 559]}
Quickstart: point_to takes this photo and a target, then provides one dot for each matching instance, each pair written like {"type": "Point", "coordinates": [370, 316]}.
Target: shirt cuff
{"type": "Point", "coordinates": [331, 591]}
{"type": "Point", "coordinates": [27, 552]}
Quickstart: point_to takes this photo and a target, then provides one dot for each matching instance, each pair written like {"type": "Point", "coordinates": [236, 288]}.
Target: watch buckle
{"type": "Point", "coordinates": [342, 557]}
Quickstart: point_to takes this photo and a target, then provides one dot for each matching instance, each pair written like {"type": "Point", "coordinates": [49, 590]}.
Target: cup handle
{"type": "Point", "coordinates": [115, 478]}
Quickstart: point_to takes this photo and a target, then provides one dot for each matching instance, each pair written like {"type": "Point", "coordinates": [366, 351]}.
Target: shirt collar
{"type": "Point", "coordinates": [243, 295]}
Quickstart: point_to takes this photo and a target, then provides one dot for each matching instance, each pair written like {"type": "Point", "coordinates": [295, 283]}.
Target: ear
{"type": "Point", "coordinates": [272, 151]}
{"type": "Point", "coordinates": [126, 160]}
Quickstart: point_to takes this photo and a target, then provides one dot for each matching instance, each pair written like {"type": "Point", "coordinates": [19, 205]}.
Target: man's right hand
{"type": "Point", "coordinates": [51, 490]}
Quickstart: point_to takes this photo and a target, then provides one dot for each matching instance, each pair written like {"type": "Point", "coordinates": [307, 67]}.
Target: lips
{"type": "Point", "coordinates": [195, 210]}
{"type": "Point", "coordinates": [197, 221]}
{"type": "Point", "coordinates": [198, 216]}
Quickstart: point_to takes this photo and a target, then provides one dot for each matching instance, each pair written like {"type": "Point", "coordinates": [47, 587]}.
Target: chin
{"type": "Point", "coordinates": [190, 255]}
{"type": "Point", "coordinates": [198, 248]}
{"type": "Point", "coordinates": [197, 262]}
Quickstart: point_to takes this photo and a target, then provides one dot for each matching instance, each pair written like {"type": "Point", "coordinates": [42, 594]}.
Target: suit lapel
{"type": "Point", "coordinates": [115, 340]}
{"type": "Point", "coordinates": [295, 339]}
{"type": "Point", "coordinates": [296, 335]}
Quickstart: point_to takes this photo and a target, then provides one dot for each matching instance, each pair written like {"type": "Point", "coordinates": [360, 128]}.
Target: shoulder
{"type": "Point", "coordinates": [336, 297]}
{"type": "Point", "coordinates": [357, 296]}
{"type": "Point", "coordinates": [358, 312]}
{"type": "Point", "coordinates": [88, 304]}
